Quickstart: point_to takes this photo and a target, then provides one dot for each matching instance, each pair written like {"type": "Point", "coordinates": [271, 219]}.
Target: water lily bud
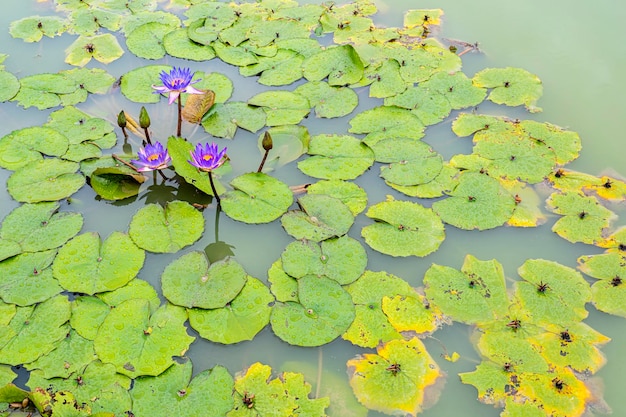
{"type": "Point", "coordinates": [121, 119]}
{"type": "Point", "coordinates": [144, 118]}
{"type": "Point", "coordinates": [267, 141]}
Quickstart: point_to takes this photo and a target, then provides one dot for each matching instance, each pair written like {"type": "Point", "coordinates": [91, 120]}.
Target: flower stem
{"type": "Point", "coordinates": [180, 119]}
{"type": "Point", "coordinates": [263, 161]}
{"type": "Point", "coordinates": [217, 197]}
{"type": "Point", "coordinates": [117, 158]}
{"type": "Point", "coordinates": [147, 136]}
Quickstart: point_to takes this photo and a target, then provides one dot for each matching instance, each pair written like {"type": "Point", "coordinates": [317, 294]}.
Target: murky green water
{"type": "Point", "coordinates": [574, 47]}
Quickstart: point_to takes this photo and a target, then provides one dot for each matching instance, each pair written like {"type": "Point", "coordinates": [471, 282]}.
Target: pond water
{"type": "Point", "coordinates": [571, 47]}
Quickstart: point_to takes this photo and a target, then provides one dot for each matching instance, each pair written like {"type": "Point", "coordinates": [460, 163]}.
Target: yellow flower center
{"type": "Point", "coordinates": [207, 157]}
{"type": "Point", "coordinates": [153, 157]}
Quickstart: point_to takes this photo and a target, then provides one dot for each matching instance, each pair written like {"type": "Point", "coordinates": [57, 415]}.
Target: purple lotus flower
{"type": "Point", "coordinates": [177, 81]}
{"type": "Point", "coordinates": [152, 157]}
{"type": "Point", "coordinates": [207, 158]}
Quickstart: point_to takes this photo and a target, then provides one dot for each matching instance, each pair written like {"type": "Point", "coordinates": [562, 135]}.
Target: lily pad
{"type": "Point", "coordinates": [289, 143]}
{"type": "Point", "coordinates": [190, 282]}
{"type": "Point", "coordinates": [88, 313]}
{"type": "Point", "coordinates": [71, 355]}
{"type": "Point", "coordinates": [116, 183]}
{"type": "Point", "coordinates": [389, 120]}
{"type": "Point", "coordinates": [341, 64]}
{"type": "Point", "coordinates": [328, 101]}
{"type": "Point", "coordinates": [324, 312]}
{"type": "Point", "coordinates": [456, 88]}
{"type": "Point", "coordinates": [90, 21]}
{"type": "Point", "coordinates": [44, 91]}
{"type": "Point", "coordinates": [283, 286]}
{"type": "Point", "coordinates": [26, 279]}
{"type": "Point", "coordinates": [139, 343]}
{"type": "Point", "coordinates": [584, 219]}
{"type": "Point", "coordinates": [11, 85]}
{"type": "Point", "coordinates": [146, 41]}
{"type": "Point", "coordinates": [283, 68]}
{"type": "Point", "coordinates": [222, 120]}
{"type": "Point", "coordinates": [209, 391]}
{"type": "Point", "coordinates": [80, 127]}
{"type": "Point", "coordinates": [477, 202]}
{"type": "Point", "coordinates": [136, 84]}
{"type": "Point", "coordinates": [341, 259]}
{"type": "Point", "coordinates": [393, 380]}
{"type": "Point", "coordinates": [86, 265]}
{"type": "Point", "coordinates": [178, 44]}
{"type": "Point", "coordinates": [321, 217]}
{"type": "Point", "coordinates": [33, 28]}
{"type": "Point", "coordinates": [281, 107]}
{"type": "Point", "coordinates": [241, 319]}
{"type": "Point", "coordinates": [103, 48]}
{"type": "Point", "coordinates": [45, 180]}
{"type": "Point", "coordinates": [353, 196]}
{"type": "Point", "coordinates": [608, 292]}
{"type": "Point", "coordinates": [180, 150]}
{"type": "Point", "coordinates": [403, 228]}
{"type": "Point", "coordinates": [166, 229]}
{"type": "Point", "coordinates": [337, 157]}
{"type": "Point", "coordinates": [511, 86]}
{"type": "Point", "coordinates": [428, 107]}
{"type": "Point", "coordinates": [257, 198]}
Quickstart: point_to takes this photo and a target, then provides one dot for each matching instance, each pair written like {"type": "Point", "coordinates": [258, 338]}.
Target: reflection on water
{"type": "Point", "coordinates": [572, 47]}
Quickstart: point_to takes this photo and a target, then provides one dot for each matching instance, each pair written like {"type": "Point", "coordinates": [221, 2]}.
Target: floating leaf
{"type": "Point", "coordinates": [511, 86]}
{"type": "Point", "coordinates": [422, 17]}
{"type": "Point", "coordinates": [394, 379]}
{"type": "Point", "coordinates": [71, 355]}
{"type": "Point", "coordinates": [166, 229]}
{"type": "Point", "coordinates": [456, 88]}
{"type": "Point", "coordinates": [44, 90]}
{"type": "Point", "coordinates": [411, 313]}
{"type": "Point", "coordinates": [281, 69]}
{"type": "Point", "coordinates": [418, 64]}
{"type": "Point", "coordinates": [353, 196]}
{"type": "Point", "coordinates": [283, 286]}
{"type": "Point", "coordinates": [389, 120]}
{"type": "Point", "coordinates": [80, 127]}
{"type": "Point", "coordinates": [241, 319]}
{"type": "Point", "coordinates": [337, 157]}
{"type": "Point", "coordinates": [384, 79]}
{"type": "Point", "coordinates": [93, 80]}
{"type": "Point", "coordinates": [321, 217]}
{"type": "Point", "coordinates": [103, 48]}
{"type": "Point", "coordinates": [10, 85]}
{"type": "Point", "coordinates": [33, 28]}
{"type": "Point", "coordinates": [178, 44]}
{"type": "Point", "coordinates": [371, 326]}
{"type": "Point", "coordinates": [209, 391]}
{"type": "Point", "coordinates": [208, 19]}
{"type": "Point", "coordinates": [289, 143]}
{"type": "Point", "coordinates": [328, 101]}
{"type": "Point", "coordinates": [341, 259]}
{"type": "Point", "coordinates": [143, 15]}
{"type": "Point", "coordinates": [608, 293]}
{"type": "Point", "coordinates": [476, 294]}
{"type": "Point", "coordinates": [428, 107]}
{"type": "Point", "coordinates": [443, 182]}
{"type": "Point", "coordinates": [477, 202]}
{"type": "Point", "coordinates": [324, 311]}
{"type": "Point", "coordinates": [88, 313]}
{"type": "Point", "coordinates": [609, 189]}
{"type": "Point", "coordinates": [134, 289]}
{"type": "Point", "coordinates": [39, 227]}
{"type": "Point", "coordinates": [403, 228]}
{"type": "Point", "coordinates": [180, 150]}
{"type": "Point", "coordinates": [281, 107]}
{"type": "Point", "coordinates": [45, 180]}
{"type": "Point", "coordinates": [116, 183]}
{"type": "Point", "coordinates": [584, 219]}
{"type": "Point", "coordinates": [341, 64]}
{"type": "Point", "coordinates": [528, 212]}
{"type": "Point", "coordinates": [136, 84]}
{"type": "Point", "coordinates": [257, 198]}
{"type": "Point", "coordinates": [146, 41]}
{"type": "Point", "coordinates": [22, 337]}
{"type": "Point", "coordinates": [222, 120]}
{"type": "Point", "coordinates": [86, 265]}
{"type": "Point", "coordinates": [90, 21]}
{"type": "Point", "coordinates": [26, 279]}
{"type": "Point", "coordinates": [139, 343]}
{"type": "Point", "coordinates": [567, 180]}
{"type": "Point", "coordinates": [190, 282]}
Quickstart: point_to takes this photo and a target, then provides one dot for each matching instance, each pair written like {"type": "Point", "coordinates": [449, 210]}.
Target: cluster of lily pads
{"type": "Point", "coordinates": [99, 341]}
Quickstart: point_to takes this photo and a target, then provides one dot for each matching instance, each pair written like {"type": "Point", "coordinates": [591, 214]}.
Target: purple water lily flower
{"type": "Point", "coordinates": [177, 81]}
{"type": "Point", "coordinates": [207, 158]}
{"type": "Point", "coordinates": [152, 157]}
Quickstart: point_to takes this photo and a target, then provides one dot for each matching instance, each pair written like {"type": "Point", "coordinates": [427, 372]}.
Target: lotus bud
{"type": "Point", "coordinates": [121, 119]}
{"type": "Point", "coordinates": [267, 141]}
{"type": "Point", "coordinates": [144, 118]}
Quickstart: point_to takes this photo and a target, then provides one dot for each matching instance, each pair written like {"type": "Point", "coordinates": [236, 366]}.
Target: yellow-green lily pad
{"type": "Point", "coordinates": [329, 101]}
{"type": "Point", "coordinates": [337, 157]}
{"type": "Point", "coordinates": [584, 218]}
{"type": "Point", "coordinates": [103, 48]}
{"type": "Point", "coordinates": [511, 86]}
{"type": "Point", "coordinates": [46, 180]}
{"type": "Point", "coordinates": [320, 217]}
{"type": "Point", "coordinates": [26, 279]}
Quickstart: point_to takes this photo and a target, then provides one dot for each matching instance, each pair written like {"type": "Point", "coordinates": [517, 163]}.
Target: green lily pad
{"type": "Point", "coordinates": [39, 227]}
{"type": "Point", "coordinates": [22, 337]}
{"type": "Point", "coordinates": [289, 142]}
{"type": "Point", "coordinates": [422, 17]}
{"type": "Point", "coordinates": [143, 15]}
{"type": "Point", "coordinates": [337, 157]}
{"type": "Point", "coordinates": [340, 259]}
{"type": "Point", "coordinates": [90, 21]}
{"type": "Point", "coordinates": [146, 41]}
{"type": "Point", "coordinates": [283, 68]}
{"type": "Point", "coordinates": [324, 312]}
{"type": "Point", "coordinates": [44, 90]}
{"type": "Point", "coordinates": [139, 343]}
{"type": "Point", "coordinates": [93, 80]}
{"type": "Point", "coordinates": [552, 293]}
{"type": "Point", "coordinates": [166, 229]}
{"type": "Point", "coordinates": [353, 196]}
{"type": "Point", "coordinates": [371, 325]}
{"type": "Point", "coordinates": [219, 83]}
{"type": "Point", "coordinates": [241, 55]}
{"type": "Point", "coordinates": [71, 355]}
{"type": "Point", "coordinates": [88, 313]}
{"type": "Point", "coordinates": [222, 120]}
{"type": "Point", "coordinates": [45, 180]}
{"type": "Point", "coordinates": [136, 84]}
{"type": "Point", "coordinates": [134, 289]}
{"type": "Point", "coordinates": [384, 79]}
{"type": "Point", "coordinates": [584, 219]}
{"type": "Point", "coordinates": [33, 28]}
{"type": "Point", "coordinates": [477, 202]}
{"type": "Point", "coordinates": [80, 127]}
{"type": "Point", "coordinates": [393, 380]}
{"type": "Point", "coordinates": [96, 385]}
{"type": "Point", "coordinates": [116, 183]}
{"type": "Point", "coordinates": [444, 182]}
{"type": "Point", "coordinates": [341, 64]}
{"type": "Point", "coordinates": [476, 294]}
{"type": "Point", "coordinates": [328, 101]}
{"type": "Point", "coordinates": [281, 107]}
{"type": "Point", "coordinates": [418, 64]}
{"type": "Point", "coordinates": [190, 282]}
{"type": "Point", "coordinates": [456, 87]}
{"type": "Point", "coordinates": [321, 217]}
{"type": "Point", "coordinates": [208, 391]}
{"type": "Point", "coordinates": [429, 108]}
{"type": "Point", "coordinates": [412, 313]}
{"type": "Point", "coordinates": [565, 143]}
{"type": "Point", "coordinates": [403, 228]}
{"type": "Point", "coordinates": [257, 198]}
{"type": "Point", "coordinates": [86, 265]}
{"type": "Point", "coordinates": [267, 31]}
{"type": "Point", "coordinates": [10, 85]}
{"type": "Point", "coordinates": [389, 120]}
{"type": "Point", "coordinates": [608, 292]}
{"type": "Point", "coordinates": [241, 319]}
{"type": "Point", "coordinates": [103, 48]}
{"type": "Point", "coordinates": [283, 286]}
{"type": "Point", "coordinates": [511, 86]}
{"type": "Point", "coordinates": [26, 279]}
{"type": "Point", "coordinates": [180, 150]}
{"type": "Point", "coordinates": [177, 43]}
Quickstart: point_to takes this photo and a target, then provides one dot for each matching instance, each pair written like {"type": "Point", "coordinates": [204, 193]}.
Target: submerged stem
{"type": "Point", "coordinates": [180, 120]}
{"type": "Point", "coordinates": [217, 197]}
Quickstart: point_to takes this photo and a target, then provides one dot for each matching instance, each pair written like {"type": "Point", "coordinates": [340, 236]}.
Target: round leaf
{"type": "Point", "coordinates": [45, 180]}
{"type": "Point", "coordinates": [336, 157]}
{"type": "Point", "coordinates": [320, 218]}
{"type": "Point", "coordinates": [26, 279]}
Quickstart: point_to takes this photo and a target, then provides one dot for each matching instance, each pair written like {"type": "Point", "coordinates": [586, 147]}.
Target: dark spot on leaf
{"type": "Point", "coordinates": [607, 184]}
{"type": "Point", "coordinates": [558, 384]}
{"type": "Point", "coordinates": [616, 281]}
{"type": "Point", "coordinates": [507, 84]}
{"type": "Point", "coordinates": [514, 324]}
{"type": "Point", "coordinates": [542, 287]}
{"type": "Point", "coordinates": [565, 336]}
{"type": "Point", "coordinates": [582, 214]}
